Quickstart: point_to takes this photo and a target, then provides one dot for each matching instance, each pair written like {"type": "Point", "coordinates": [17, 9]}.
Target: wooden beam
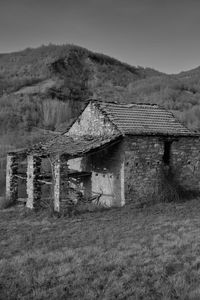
{"type": "Point", "coordinates": [43, 181]}
{"type": "Point", "coordinates": [20, 177]}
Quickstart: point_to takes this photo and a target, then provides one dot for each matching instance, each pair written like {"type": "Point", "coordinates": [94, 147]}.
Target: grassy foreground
{"type": "Point", "coordinates": [150, 253]}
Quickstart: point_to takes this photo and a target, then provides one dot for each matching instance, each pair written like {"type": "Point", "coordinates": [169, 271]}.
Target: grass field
{"type": "Point", "coordinates": [150, 253]}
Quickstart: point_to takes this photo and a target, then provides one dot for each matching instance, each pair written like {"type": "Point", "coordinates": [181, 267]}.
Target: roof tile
{"type": "Point", "coordinates": [143, 119]}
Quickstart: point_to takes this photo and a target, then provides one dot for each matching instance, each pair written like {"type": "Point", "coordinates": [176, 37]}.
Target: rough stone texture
{"type": "Point", "coordinates": [185, 161]}
{"type": "Point", "coordinates": [143, 163]}
{"type": "Point", "coordinates": [135, 168]}
{"type": "Point", "coordinates": [11, 180]}
{"type": "Point", "coordinates": [107, 171]}
{"type": "Point", "coordinates": [146, 173]}
{"type": "Point", "coordinates": [125, 172]}
{"type": "Point", "coordinates": [57, 183]}
{"type": "Point", "coordinates": [62, 198]}
{"type": "Point", "coordinates": [92, 122]}
{"type": "Point", "coordinates": [33, 186]}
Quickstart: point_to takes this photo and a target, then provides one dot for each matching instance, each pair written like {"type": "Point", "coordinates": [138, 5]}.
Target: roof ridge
{"type": "Point", "coordinates": [128, 105]}
{"type": "Point", "coordinates": [115, 103]}
{"type": "Point", "coordinates": [131, 104]}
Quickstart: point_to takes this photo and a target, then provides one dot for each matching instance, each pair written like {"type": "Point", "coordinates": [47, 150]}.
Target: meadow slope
{"type": "Point", "coordinates": [127, 253]}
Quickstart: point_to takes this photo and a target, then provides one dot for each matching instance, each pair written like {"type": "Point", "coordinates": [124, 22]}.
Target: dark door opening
{"type": "Point", "coordinates": [167, 152]}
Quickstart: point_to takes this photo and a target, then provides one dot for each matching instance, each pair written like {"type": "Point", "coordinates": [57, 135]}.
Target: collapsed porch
{"type": "Point", "coordinates": [61, 178]}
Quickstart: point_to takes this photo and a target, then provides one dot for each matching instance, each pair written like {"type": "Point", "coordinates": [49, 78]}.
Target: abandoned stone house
{"type": "Point", "coordinates": [118, 152]}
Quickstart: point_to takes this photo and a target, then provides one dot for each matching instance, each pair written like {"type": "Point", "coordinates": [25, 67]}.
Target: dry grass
{"type": "Point", "coordinates": [128, 253]}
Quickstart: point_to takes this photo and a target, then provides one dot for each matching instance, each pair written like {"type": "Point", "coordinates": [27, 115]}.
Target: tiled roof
{"type": "Point", "coordinates": [73, 146]}
{"type": "Point", "coordinates": [136, 119]}
{"type": "Point", "coordinates": [77, 145]}
{"type": "Point", "coordinates": [143, 119]}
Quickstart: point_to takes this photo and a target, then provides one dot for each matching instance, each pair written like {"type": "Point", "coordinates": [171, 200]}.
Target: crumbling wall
{"type": "Point", "coordinates": [107, 174]}
{"type": "Point", "coordinates": [92, 122]}
{"type": "Point", "coordinates": [185, 162]}
{"type": "Point", "coordinates": [143, 164]}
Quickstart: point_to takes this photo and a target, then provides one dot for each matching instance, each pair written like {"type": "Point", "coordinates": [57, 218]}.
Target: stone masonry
{"type": "Point", "coordinates": [143, 163]}
{"type": "Point", "coordinates": [33, 185]}
{"type": "Point", "coordinates": [11, 179]}
{"type": "Point", "coordinates": [185, 162]}
{"type": "Point", "coordinates": [57, 183]}
{"type": "Point", "coordinates": [61, 184]}
{"type": "Point", "coordinates": [92, 122]}
{"type": "Point", "coordinates": [146, 170]}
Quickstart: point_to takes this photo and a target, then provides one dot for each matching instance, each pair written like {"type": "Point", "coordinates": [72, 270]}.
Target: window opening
{"type": "Point", "coordinates": [167, 153]}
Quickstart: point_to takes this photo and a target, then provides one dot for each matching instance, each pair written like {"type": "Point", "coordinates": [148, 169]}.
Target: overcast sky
{"type": "Point", "coordinates": [163, 34]}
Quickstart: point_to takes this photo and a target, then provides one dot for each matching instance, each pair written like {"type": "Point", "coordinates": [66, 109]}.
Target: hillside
{"type": "Point", "coordinates": [67, 74]}
{"type": "Point", "coordinates": [46, 88]}
{"type": "Point", "coordinates": [70, 64]}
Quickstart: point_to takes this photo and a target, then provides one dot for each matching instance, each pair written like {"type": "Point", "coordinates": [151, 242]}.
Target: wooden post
{"type": "Point", "coordinates": [33, 185]}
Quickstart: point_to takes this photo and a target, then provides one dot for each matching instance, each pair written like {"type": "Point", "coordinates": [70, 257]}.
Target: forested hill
{"type": "Point", "coordinates": [78, 68]}
{"type": "Point", "coordinates": [45, 88]}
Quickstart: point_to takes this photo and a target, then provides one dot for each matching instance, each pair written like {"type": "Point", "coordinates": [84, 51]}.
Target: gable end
{"type": "Point", "coordinates": [93, 122]}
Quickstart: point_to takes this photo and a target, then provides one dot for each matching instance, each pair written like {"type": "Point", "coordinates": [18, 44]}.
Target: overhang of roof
{"type": "Point", "coordinates": [70, 146]}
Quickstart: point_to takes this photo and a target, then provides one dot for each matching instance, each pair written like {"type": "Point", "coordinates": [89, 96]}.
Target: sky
{"type": "Point", "coordinates": [162, 34]}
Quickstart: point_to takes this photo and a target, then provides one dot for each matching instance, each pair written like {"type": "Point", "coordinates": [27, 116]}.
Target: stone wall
{"type": "Point", "coordinates": [147, 174]}
{"type": "Point", "coordinates": [107, 174]}
{"type": "Point", "coordinates": [137, 166]}
{"type": "Point", "coordinates": [61, 184]}
{"type": "Point", "coordinates": [185, 161]}
{"type": "Point", "coordinates": [33, 185]}
{"type": "Point", "coordinates": [11, 179]}
{"type": "Point", "coordinates": [106, 166]}
{"type": "Point", "coordinates": [143, 163]}
{"type": "Point", "coordinates": [57, 183]}
{"type": "Point", "coordinates": [92, 122]}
